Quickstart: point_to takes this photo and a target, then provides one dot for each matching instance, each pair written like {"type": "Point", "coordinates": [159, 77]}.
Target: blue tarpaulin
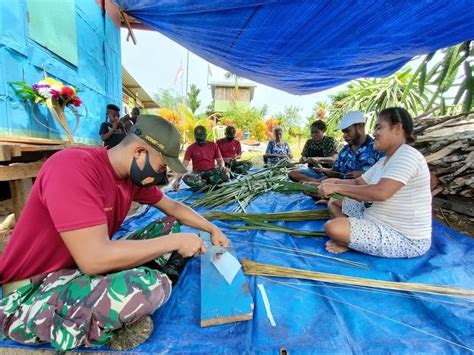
{"type": "Point", "coordinates": [305, 46]}
{"type": "Point", "coordinates": [323, 318]}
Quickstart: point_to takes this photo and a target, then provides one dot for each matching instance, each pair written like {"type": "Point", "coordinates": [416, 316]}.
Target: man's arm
{"type": "Point", "coordinates": [178, 176]}
{"type": "Point", "coordinates": [94, 252]}
{"type": "Point", "coordinates": [328, 172]}
{"type": "Point", "coordinates": [323, 160]}
{"type": "Point", "coordinates": [221, 164]}
{"type": "Point", "coordinates": [190, 218]}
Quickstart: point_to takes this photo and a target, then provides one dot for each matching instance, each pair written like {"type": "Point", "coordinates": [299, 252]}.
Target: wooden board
{"type": "Point", "coordinates": [222, 303]}
{"type": "Point", "coordinates": [18, 171]}
{"type": "Point", "coordinates": [16, 139]}
{"type": "Point", "coordinates": [461, 205]}
{"type": "Point", "coordinates": [13, 150]}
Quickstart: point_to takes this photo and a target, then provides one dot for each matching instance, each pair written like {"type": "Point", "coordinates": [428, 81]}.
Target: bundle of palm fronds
{"type": "Point", "coordinates": [292, 216]}
{"type": "Point", "coordinates": [259, 269]}
{"type": "Point", "coordinates": [247, 188]}
{"type": "Point", "coordinates": [257, 225]}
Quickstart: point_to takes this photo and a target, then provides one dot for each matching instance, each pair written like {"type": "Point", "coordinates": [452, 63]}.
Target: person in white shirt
{"type": "Point", "coordinates": [387, 211]}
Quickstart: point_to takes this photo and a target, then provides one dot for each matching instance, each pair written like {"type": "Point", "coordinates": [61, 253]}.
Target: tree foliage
{"type": "Point", "coordinates": [168, 98]}
{"type": "Point", "coordinates": [372, 95]}
{"type": "Point", "coordinates": [444, 75]}
{"type": "Point", "coordinates": [429, 87]}
{"type": "Point", "coordinates": [193, 102]}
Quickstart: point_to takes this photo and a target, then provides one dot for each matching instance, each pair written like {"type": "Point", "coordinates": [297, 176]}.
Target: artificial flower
{"type": "Point", "coordinates": [76, 101]}
{"type": "Point", "coordinates": [52, 82]}
{"type": "Point", "coordinates": [68, 91]}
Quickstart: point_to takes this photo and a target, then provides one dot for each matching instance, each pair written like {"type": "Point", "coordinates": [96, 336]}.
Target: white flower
{"type": "Point", "coordinates": [45, 92]}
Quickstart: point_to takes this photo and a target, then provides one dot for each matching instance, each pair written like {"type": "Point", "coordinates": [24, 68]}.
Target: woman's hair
{"type": "Point", "coordinates": [400, 115]}
{"type": "Point", "coordinates": [319, 124]}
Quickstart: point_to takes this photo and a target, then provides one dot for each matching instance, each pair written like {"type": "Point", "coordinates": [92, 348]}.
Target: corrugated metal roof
{"type": "Point", "coordinates": [131, 87]}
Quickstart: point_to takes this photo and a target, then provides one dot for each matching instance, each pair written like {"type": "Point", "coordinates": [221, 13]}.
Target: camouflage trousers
{"type": "Point", "coordinates": [199, 179]}
{"type": "Point", "coordinates": [239, 166]}
{"type": "Point", "coordinates": [69, 309]}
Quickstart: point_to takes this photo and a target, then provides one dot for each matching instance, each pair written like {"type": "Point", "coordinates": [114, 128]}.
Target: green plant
{"type": "Point", "coordinates": [192, 99]}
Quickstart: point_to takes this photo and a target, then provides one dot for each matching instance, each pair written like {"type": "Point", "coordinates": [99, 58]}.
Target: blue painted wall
{"type": "Point", "coordinates": [98, 74]}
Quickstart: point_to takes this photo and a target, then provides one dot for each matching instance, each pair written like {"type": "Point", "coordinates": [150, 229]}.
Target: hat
{"type": "Point", "coordinates": [163, 136]}
{"type": "Point", "coordinates": [200, 132]}
{"type": "Point", "coordinates": [351, 118]}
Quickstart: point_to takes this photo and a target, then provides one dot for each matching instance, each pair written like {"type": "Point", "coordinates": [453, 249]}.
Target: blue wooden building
{"type": "Point", "coordinates": [76, 42]}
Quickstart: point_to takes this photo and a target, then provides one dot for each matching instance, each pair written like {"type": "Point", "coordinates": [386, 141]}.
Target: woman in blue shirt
{"type": "Point", "coordinates": [277, 150]}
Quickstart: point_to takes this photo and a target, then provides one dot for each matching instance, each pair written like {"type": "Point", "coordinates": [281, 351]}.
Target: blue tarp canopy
{"type": "Point", "coordinates": [305, 46]}
{"type": "Point", "coordinates": [315, 317]}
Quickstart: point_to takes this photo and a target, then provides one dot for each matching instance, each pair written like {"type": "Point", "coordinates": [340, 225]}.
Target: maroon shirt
{"type": "Point", "coordinates": [203, 157]}
{"type": "Point", "coordinates": [229, 149]}
{"type": "Point", "coordinates": [76, 188]}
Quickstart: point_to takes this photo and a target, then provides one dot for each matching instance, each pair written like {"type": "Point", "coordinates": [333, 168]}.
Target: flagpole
{"type": "Point", "coordinates": [182, 89]}
{"type": "Point", "coordinates": [187, 76]}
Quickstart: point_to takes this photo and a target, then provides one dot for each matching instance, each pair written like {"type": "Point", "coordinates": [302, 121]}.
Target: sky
{"type": "Point", "coordinates": [154, 61]}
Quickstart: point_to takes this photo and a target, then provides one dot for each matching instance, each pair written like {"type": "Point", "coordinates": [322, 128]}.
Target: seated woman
{"type": "Point", "coordinates": [277, 150]}
{"type": "Point", "coordinates": [320, 149]}
{"type": "Point", "coordinates": [388, 209]}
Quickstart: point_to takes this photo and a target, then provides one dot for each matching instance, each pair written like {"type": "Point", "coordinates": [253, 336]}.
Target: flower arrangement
{"type": "Point", "coordinates": [48, 88]}
{"type": "Point", "coordinates": [55, 96]}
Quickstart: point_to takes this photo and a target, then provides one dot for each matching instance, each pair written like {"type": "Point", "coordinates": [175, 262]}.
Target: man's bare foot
{"type": "Point", "coordinates": [333, 247]}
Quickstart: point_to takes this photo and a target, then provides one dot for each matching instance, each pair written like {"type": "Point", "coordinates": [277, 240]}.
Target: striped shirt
{"type": "Point", "coordinates": [408, 211]}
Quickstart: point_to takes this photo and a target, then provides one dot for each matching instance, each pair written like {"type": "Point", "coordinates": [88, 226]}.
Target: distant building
{"type": "Point", "coordinates": [225, 93]}
{"type": "Point", "coordinates": [133, 95]}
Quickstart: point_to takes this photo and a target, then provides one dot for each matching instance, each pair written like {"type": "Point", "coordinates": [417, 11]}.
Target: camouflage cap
{"type": "Point", "coordinates": [163, 136]}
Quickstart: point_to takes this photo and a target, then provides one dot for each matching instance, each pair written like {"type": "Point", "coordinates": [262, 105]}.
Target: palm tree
{"type": "Point", "coordinates": [372, 95]}
{"type": "Point", "coordinates": [444, 74]}
{"type": "Point", "coordinates": [193, 102]}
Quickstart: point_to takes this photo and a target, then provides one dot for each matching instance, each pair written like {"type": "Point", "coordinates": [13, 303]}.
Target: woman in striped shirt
{"type": "Point", "coordinates": [387, 211]}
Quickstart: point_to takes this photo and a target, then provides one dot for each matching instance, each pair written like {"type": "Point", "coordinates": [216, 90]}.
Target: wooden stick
{"type": "Point", "coordinates": [129, 27]}
{"type": "Point", "coordinates": [259, 269]}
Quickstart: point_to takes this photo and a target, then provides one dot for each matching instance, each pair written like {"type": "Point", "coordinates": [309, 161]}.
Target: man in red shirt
{"type": "Point", "coordinates": [64, 280]}
{"type": "Point", "coordinates": [231, 151]}
{"type": "Point", "coordinates": [204, 156]}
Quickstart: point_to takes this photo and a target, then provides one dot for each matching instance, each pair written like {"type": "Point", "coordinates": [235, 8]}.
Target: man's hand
{"type": "Point", "coordinates": [176, 184]}
{"type": "Point", "coordinates": [318, 168]}
{"type": "Point", "coordinates": [354, 174]}
{"type": "Point", "coordinates": [218, 238]}
{"type": "Point", "coordinates": [189, 244]}
{"type": "Point", "coordinates": [314, 161]}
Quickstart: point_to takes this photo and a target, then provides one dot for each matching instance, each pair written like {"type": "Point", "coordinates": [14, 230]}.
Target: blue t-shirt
{"type": "Point", "coordinates": [277, 148]}
{"type": "Point", "coordinates": [362, 159]}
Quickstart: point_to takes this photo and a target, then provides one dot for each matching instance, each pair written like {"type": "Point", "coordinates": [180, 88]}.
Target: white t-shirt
{"type": "Point", "coordinates": [408, 211]}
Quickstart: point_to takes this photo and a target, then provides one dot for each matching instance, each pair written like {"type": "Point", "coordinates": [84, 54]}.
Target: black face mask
{"type": "Point", "coordinates": [201, 142]}
{"type": "Point", "coordinates": [139, 176]}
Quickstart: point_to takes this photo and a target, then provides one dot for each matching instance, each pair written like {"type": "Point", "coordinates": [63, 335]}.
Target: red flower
{"type": "Point", "coordinates": [76, 101]}
{"type": "Point", "coordinates": [68, 91]}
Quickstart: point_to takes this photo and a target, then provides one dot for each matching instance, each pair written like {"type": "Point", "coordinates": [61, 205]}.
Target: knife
{"type": "Point", "coordinates": [215, 249]}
